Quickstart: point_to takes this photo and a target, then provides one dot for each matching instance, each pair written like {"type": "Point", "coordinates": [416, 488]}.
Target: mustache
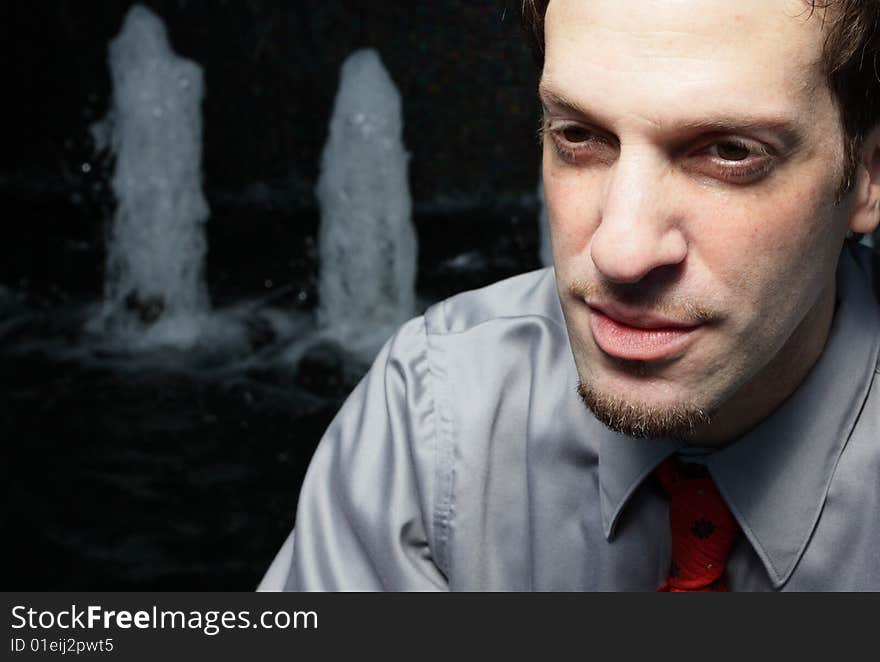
{"type": "Point", "coordinates": [681, 309]}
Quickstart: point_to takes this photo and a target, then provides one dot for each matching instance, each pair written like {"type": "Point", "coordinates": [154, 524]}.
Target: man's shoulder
{"type": "Point", "coordinates": [528, 295]}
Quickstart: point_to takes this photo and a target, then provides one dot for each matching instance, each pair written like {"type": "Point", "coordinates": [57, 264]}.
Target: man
{"type": "Point", "coordinates": [704, 162]}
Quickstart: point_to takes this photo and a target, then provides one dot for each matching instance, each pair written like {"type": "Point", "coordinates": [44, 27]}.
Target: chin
{"type": "Point", "coordinates": [645, 418]}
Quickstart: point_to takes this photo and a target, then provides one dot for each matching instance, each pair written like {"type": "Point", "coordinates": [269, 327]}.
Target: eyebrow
{"type": "Point", "coordinates": [785, 127]}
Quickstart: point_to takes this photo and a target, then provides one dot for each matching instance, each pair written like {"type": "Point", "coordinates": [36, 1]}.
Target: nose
{"type": "Point", "coordinates": [639, 230]}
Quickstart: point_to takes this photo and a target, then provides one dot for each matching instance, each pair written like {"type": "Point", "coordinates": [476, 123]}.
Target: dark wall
{"type": "Point", "coordinates": [271, 71]}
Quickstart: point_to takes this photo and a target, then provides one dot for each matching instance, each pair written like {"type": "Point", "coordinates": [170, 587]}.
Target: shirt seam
{"type": "Point", "coordinates": [444, 472]}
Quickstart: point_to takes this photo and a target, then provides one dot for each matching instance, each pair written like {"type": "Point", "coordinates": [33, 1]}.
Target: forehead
{"type": "Point", "coordinates": [664, 58]}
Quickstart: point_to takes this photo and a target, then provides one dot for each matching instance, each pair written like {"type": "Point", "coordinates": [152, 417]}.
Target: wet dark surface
{"type": "Point", "coordinates": [132, 477]}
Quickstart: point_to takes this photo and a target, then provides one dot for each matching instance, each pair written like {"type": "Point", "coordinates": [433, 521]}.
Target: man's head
{"type": "Point", "coordinates": [849, 61]}
{"type": "Point", "coordinates": [694, 158]}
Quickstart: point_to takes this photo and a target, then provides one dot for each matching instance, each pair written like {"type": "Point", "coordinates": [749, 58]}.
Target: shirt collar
{"type": "Point", "coordinates": [624, 462]}
{"type": "Point", "coordinates": [776, 477]}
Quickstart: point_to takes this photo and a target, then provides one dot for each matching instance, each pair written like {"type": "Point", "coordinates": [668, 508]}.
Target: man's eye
{"type": "Point", "coordinates": [579, 145]}
{"type": "Point", "coordinates": [576, 134]}
{"type": "Point", "coordinates": [737, 161]}
{"type": "Point", "coordinates": [732, 151]}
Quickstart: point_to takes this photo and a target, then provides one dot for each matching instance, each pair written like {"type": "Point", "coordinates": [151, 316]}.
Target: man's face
{"type": "Point", "coordinates": [692, 155]}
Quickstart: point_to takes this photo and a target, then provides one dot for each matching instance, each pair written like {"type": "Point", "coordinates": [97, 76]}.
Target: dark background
{"type": "Point", "coordinates": [142, 474]}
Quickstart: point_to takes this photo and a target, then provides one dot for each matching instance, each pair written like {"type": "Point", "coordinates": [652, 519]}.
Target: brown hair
{"type": "Point", "coordinates": [851, 50]}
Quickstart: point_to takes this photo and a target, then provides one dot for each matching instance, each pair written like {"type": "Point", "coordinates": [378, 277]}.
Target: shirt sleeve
{"type": "Point", "coordinates": [364, 517]}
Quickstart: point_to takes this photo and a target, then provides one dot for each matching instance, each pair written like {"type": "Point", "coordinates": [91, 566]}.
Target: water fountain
{"type": "Point", "coordinates": [119, 433]}
{"type": "Point", "coordinates": [154, 291]}
{"type": "Point", "coordinates": [367, 241]}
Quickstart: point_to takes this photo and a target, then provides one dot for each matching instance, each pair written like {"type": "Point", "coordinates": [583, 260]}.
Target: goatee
{"type": "Point", "coordinates": [642, 420]}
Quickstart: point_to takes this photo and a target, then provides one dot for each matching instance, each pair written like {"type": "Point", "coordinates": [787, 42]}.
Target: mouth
{"type": "Point", "coordinates": [638, 335]}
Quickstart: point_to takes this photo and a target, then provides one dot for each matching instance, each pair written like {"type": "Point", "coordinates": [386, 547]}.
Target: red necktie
{"type": "Point", "coordinates": [702, 529]}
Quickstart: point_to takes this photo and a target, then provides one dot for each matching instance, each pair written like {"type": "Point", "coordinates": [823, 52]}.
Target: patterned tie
{"type": "Point", "coordinates": [702, 528]}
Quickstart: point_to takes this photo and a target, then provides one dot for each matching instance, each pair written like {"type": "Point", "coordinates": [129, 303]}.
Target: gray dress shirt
{"type": "Point", "coordinates": [465, 460]}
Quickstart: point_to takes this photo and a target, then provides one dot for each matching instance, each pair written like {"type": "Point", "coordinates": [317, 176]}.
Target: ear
{"type": "Point", "coordinates": [865, 212]}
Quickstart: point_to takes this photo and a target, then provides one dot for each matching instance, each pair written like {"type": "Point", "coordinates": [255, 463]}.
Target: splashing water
{"type": "Point", "coordinates": [367, 242]}
{"type": "Point", "coordinates": [154, 291]}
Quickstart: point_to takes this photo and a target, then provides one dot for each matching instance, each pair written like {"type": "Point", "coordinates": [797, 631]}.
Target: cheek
{"type": "Point", "coordinates": [738, 237]}
{"type": "Point", "coordinates": [770, 259]}
{"type": "Point", "coordinates": [758, 239]}
{"type": "Point", "coordinates": [571, 210]}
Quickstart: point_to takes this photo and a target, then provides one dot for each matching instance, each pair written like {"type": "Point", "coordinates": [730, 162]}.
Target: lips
{"type": "Point", "coordinates": [638, 335]}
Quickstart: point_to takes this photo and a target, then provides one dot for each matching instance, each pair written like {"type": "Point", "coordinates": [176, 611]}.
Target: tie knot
{"type": "Point", "coordinates": [701, 526]}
